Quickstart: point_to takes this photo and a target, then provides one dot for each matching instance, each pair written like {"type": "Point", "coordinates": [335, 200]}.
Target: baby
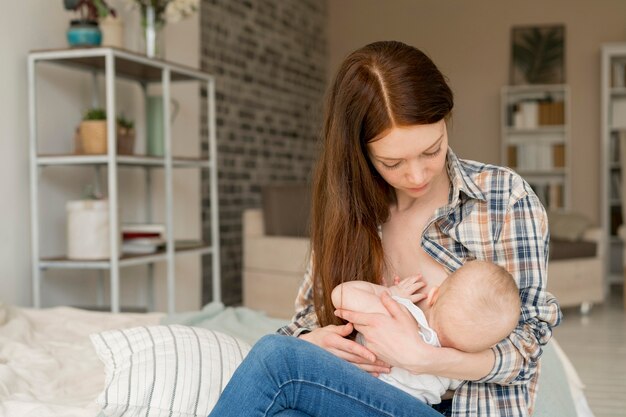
{"type": "Point", "coordinates": [474, 308]}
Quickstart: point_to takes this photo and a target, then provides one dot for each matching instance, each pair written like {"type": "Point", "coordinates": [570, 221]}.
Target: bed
{"type": "Point", "coordinates": [51, 367]}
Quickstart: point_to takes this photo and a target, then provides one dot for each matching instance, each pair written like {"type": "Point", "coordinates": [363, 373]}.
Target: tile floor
{"type": "Point", "coordinates": [596, 345]}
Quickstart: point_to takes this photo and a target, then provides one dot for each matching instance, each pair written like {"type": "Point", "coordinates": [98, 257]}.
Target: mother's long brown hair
{"type": "Point", "coordinates": [378, 87]}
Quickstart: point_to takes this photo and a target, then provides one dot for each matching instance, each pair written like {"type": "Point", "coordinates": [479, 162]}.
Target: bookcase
{"type": "Point", "coordinates": [115, 65]}
{"type": "Point", "coordinates": [535, 139]}
{"type": "Point", "coordinates": [613, 133]}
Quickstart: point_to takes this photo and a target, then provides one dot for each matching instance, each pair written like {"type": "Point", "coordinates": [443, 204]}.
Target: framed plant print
{"type": "Point", "coordinates": [537, 55]}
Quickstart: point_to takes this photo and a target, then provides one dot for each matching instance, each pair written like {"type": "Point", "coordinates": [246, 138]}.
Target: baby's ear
{"type": "Point", "coordinates": [432, 296]}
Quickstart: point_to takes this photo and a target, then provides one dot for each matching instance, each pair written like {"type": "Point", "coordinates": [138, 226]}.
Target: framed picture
{"type": "Point", "coordinates": [538, 55]}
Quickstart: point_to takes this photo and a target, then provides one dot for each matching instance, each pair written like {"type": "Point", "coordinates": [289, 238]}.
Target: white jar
{"type": "Point", "coordinates": [88, 229]}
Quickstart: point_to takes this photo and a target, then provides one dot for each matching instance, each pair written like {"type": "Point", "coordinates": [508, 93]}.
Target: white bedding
{"type": "Point", "coordinates": [48, 366]}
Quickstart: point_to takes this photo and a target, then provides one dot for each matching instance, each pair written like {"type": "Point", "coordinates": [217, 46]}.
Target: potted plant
{"type": "Point", "coordinates": [125, 136]}
{"type": "Point", "coordinates": [93, 132]}
{"type": "Point", "coordinates": [85, 31]}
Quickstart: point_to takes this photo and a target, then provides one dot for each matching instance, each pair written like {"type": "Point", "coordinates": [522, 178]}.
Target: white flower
{"type": "Point", "coordinates": [177, 10]}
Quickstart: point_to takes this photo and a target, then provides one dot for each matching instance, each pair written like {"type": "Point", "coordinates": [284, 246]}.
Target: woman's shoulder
{"type": "Point", "coordinates": [494, 181]}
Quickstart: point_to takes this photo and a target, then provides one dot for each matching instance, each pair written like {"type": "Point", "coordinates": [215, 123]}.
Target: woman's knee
{"type": "Point", "coordinates": [273, 345]}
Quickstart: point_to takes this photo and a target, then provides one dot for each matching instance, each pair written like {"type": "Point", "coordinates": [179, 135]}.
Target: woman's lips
{"type": "Point", "coordinates": [421, 188]}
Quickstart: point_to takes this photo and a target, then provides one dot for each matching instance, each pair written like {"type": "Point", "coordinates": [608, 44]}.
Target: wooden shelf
{"type": "Point", "coordinates": [62, 262]}
{"type": "Point", "coordinates": [539, 130]}
{"type": "Point", "coordinates": [129, 160]}
{"type": "Point", "coordinates": [128, 64]}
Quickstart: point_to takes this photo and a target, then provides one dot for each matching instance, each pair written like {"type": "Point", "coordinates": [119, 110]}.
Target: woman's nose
{"type": "Point", "coordinates": [416, 174]}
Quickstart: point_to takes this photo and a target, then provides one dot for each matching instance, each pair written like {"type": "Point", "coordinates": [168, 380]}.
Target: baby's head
{"type": "Point", "coordinates": [476, 307]}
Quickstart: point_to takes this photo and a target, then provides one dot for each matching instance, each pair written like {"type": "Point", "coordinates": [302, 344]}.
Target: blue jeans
{"type": "Point", "coordinates": [287, 377]}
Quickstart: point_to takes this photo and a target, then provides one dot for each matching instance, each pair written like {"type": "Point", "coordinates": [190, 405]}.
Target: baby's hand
{"type": "Point", "coordinates": [408, 288]}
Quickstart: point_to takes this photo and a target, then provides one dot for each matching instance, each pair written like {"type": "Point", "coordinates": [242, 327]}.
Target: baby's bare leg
{"type": "Point", "coordinates": [360, 296]}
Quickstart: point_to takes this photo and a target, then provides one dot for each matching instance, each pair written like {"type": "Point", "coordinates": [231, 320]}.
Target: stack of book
{"type": "Point", "coordinates": [536, 156]}
{"type": "Point", "coordinates": [551, 195]}
{"type": "Point", "coordinates": [142, 238]}
{"type": "Point", "coordinates": [530, 114]}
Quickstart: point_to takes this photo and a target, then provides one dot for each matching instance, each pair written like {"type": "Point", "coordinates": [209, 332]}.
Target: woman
{"type": "Point", "coordinates": [392, 199]}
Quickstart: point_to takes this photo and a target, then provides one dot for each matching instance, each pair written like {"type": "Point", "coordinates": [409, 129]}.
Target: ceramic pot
{"type": "Point", "coordinates": [125, 141]}
{"type": "Point", "coordinates": [84, 33]}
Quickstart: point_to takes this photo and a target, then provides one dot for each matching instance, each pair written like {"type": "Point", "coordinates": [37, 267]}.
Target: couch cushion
{"type": "Point", "coordinates": [286, 209]}
{"type": "Point", "coordinates": [567, 225]}
{"type": "Point", "coordinates": [566, 249]}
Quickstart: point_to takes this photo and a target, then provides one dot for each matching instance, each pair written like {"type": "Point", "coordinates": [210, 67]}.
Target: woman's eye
{"type": "Point", "coordinates": [433, 154]}
{"type": "Point", "coordinates": [396, 165]}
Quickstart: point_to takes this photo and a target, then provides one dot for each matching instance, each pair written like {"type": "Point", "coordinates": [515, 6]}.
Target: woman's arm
{"type": "Point", "coordinates": [394, 338]}
{"type": "Point", "coordinates": [331, 338]}
{"type": "Point", "coordinates": [524, 244]}
{"type": "Point", "coordinates": [521, 246]}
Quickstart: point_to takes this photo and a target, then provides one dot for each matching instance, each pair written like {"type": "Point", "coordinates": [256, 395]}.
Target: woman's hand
{"type": "Point", "coordinates": [333, 339]}
{"type": "Point", "coordinates": [393, 338]}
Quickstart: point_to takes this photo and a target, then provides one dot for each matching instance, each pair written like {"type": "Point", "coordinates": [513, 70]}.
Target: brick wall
{"type": "Point", "coordinates": [269, 58]}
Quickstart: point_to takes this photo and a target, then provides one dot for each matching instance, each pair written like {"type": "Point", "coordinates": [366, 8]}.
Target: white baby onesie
{"type": "Point", "coordinates": [428, 388]}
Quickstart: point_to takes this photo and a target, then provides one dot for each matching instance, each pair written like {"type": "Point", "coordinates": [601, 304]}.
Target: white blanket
{"type": "Point", "coordinates": [48, 366]}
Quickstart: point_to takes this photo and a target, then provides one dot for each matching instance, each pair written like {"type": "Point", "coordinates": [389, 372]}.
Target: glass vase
{"type": "Point", "coordinates": [154, 41]}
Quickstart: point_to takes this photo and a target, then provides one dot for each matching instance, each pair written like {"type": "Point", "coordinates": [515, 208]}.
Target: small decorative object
{"type": "Point", "coordinates": [155, 14]}
{"type": "Point", "coordinates": [112, 31]}
{"type": "Point", "coordinates": [93, 132]}
{"type": "Point", "coordinates": [538, 55]}
{"type": "Point", "coordinates": [88, 227]}
{"type": "Point", "coordinates": [156, 136]}
{"type": "Point", "coordinates": [125, 136]}
{"type": "Point", "coordinates": [85, 31]}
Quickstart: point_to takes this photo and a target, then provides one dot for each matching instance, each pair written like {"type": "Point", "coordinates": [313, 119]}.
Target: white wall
{"type": "Point", "coordinates": [64, 96]}
{"type": "Point", "coordinates": [470, 42]}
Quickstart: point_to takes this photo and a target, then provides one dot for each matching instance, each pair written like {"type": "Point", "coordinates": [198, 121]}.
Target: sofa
{"type": "Point", "coordinates": [576, 265]}
{"type": "Point", "coordinates": [276, 251]}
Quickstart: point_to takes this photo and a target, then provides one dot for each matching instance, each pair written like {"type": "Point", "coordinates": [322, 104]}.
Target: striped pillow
{"type": "Point", "coordinates": [165, 370]}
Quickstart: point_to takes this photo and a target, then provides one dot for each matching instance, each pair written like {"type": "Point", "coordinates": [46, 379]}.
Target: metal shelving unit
{"type": "Point", "coordinates": [550, 180]}
{"type": "Point", "coordinates": [121, 64]}
{"type": "Point", "coordinates": [613, 105]}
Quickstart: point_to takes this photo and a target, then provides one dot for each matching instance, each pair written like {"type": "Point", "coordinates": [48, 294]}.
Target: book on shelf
{"type": "Point", "coordinates": [142, 238]}
{"type": "Point", "coordinates": [558, 155]}
{"type": "Point", "coordinates": [614, 145]}
{"type": "Point", "coordinates": [142, 230]}
{"type": "Point", "coordinates": [142, 245]}
{"type": "Point", "coordinates": [551, 113]}
{"type": "Point", "coordinates": [551, 195]}
{"type": "Point", "coordinates": [534, 156]}
{"type": "Point", "coordinates": [533, 113]}
{"type": "Point", "coordinates": [616, 219]}
{"type": "Point", "coordinates": [616, 185]}
{"type": "Point", "coordinates": [153, 245]}
{"type": "Point", "coordinates": [618, 74]}
{"type": "Point", "coordinates": [511, 156]}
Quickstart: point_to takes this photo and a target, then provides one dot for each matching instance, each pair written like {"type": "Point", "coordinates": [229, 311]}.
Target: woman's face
{"type": "Point", "coordinates": [411, 159]}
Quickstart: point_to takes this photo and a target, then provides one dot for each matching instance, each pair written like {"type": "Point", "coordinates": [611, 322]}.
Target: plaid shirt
{"type": "Point", "coordinates": [492, 215]}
